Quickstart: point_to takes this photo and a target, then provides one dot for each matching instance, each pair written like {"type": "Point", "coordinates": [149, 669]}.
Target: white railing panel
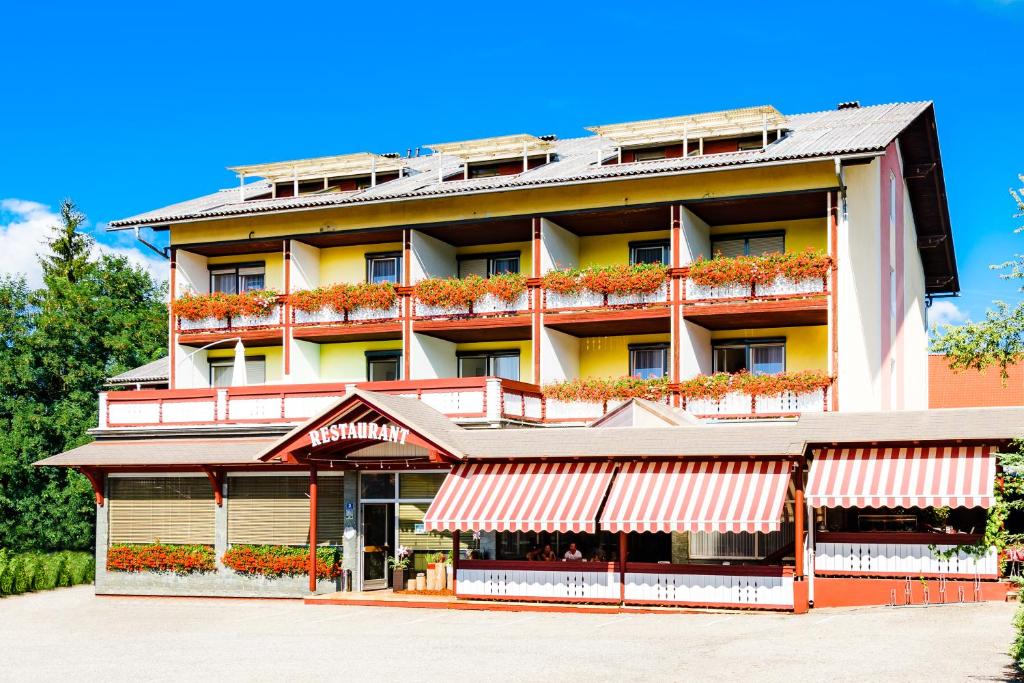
{"type": "Point", "coordinates": [492, 304]}
{"type": "Point", "coordinates": [189, 411]}
{"type": "Point", "coordinates": [581, 299]}
{"type": "Point", "coordinates": [324, 315]}
{"type": "Point", "coordinates": [454, 401]}
{"type": "Point", "coordinates": [552, 585]}
{"type": "Point", "coordinates": [734, 403]}
{"type": "Point", "coordinates": [710, 589]}
{"type": "Point", "coordinates": [304, 407]}
{"type": "Point", "coordinates": [425, 311]}
{"type": "Point", "coordinates": [134, 413]}
{"type": "Point", "coordinates": [733, 291]}
{"type": "Point", "coordinates": [534, 407]}
{"type": "Point", "coordinates": [901, 558]}
{"type": "Point", "coordinates": [271, 317]}
{"type": "Point", "coordinates": [361, 314]}
{"type": "Point", "coordinates": [576, 410]}
{"type": "Point", "coordinates": [203, 324]}
{"type": "Point", "coordinates": [257, 408]}
{"type": "Point", "coordinates": [788, 402]}
{"type": "Point", "coordinates": [659, 296]}
{"type": "Point", "coordinates": [783, 286]}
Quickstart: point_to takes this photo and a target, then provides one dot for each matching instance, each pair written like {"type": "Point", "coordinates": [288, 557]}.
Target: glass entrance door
{"type": "Point", "coordinates": [378, 541]}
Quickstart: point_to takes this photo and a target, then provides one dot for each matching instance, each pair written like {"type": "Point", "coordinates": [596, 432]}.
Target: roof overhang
{"type": "Point", "coordinates": [727, 123]}
{"type": "Point", "coordinates": [494, 149]}
{"type": "Point", "coordinates": [345, 165]}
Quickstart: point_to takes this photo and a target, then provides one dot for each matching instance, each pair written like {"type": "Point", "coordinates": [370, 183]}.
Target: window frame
{"type": "Point", "coordinates": [665, 244]}
{"type": "Point", "coordinates": [664, 347]}
{"type": "Point", "coordinates": [489, 357]}
{"type": "Point", "coordinates": [370, 257]}
{"type": "Point", "coordinates": [228, 361]}
{"type": "Point", "coordinates": [746, 237]}
{"type": "Point", "coordinates": [236, 268]}
{"type": "Point", "coordinates": [390, 354]}
{"type": "Point", "coordinates": [747, 343]}
{"type": "Point", "coordinates": [491, 257]}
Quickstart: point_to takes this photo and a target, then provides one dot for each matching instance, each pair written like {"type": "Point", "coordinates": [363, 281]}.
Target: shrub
{"type": "Point", "coordinates": [156, 557]}
{"type": "Point", "coordinates": [601, 389]}
{"type": "Point", "coordinates": [282, 560]}
{"type": "Point", "coordinates": [43, 571]}
{"type": "Point", "coordinates": [641, 278]}
{"type": "Point", "coordinates": [221, 305]}
{"type": "Point", "coordinates": [743, 270]}
{"type": "Point", "coordinates": [342, 298]}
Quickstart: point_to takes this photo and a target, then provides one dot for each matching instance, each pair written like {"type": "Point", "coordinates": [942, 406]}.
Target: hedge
{"type": "Point", "coordinates": [26, 572]}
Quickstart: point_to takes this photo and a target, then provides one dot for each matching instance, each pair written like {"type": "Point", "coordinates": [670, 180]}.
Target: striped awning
{"type": "Point", "coordinates": [697, 495]}
{"type": "Point", "coordinates": [954, 476]}
{"type": "Point", "coordinates": [520, 497]}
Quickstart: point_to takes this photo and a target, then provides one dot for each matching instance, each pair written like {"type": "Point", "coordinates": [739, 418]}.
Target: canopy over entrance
{"type": "Point", "coordinates": [535, 496]}
{"type": "Point", "coordinates": [954, 476]}
{"type": "Point", "coordinates": [698, 495]}
{"type": "Point", "coordinates": [371, 425]}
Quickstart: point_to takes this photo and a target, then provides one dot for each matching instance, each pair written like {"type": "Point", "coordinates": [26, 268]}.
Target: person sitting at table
{"type": "Point", "coordinates": [599, 556]}
{"type": "Point", "coordinates": [533, 554]}
{"type": "Point", "coordinates": [548, 555]}
{"type": "Point", "coordinates": [573, 554]}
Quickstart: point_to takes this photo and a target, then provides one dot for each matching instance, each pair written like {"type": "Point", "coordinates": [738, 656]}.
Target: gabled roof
{"type": "Point", "coordinates": [152, 372]}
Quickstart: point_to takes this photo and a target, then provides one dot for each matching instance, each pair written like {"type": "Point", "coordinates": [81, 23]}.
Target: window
{"type": "Point", "coordinates": [759, 357]}
{"type": "Point", "coordinates": [222, 371]}
{"type": "Point", "coordinates": [384, 268]}
{"type": "Point", "coordinates": [754, 244]}
{"type": "Point", "coordinates": [383, 366]}
{"type": "Point", "coordinates": [233, 279]}
{"type": "Point", "coordinates": [649, 361]}
{"type": "Point", "coordinates": [486, 265]}
{"type": "Point", "coordinates": [504, 364]}
{"type": "Point", "coordinates": [168, 509]}
{"type": "Point", "coordinates": [275, 510]}
{"type": "Point", "coordinates": [649, 252]}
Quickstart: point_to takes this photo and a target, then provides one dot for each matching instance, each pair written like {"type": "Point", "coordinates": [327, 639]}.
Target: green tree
{"type": "Point", "coordinates": [93, 317]}
{"type": "Point", "coordinates": [998, 340]}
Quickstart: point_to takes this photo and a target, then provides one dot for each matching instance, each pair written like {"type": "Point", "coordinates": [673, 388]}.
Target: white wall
{"type": "Point", "coordinates": [432, 358]}
{"type": "Point", "coordinates": [559, 248]}
{"type": "Point", "coordinates": [305, 365]}
{"type": "Point", "coordinates": [192, 274]}
{"type": "Point", "coordinates": [559, 356]}
{"type": "Point", "coordinates": [696, 238]}
{"type": "Point", "coordinates": [305, 265]}
{"type": "Point", "coordinates": [915, 325]}
{"type": "Point", "coordinates": [694, 350]}
{"type": "Point", "coordinates": [191, 368]}
{"type": "Point", "coordinates": [431, 258]}
{"type": "Point", "coordinates": [859, 254]}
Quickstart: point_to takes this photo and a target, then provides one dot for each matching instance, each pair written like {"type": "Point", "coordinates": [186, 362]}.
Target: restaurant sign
{"type": "Point", "coordinates": [361, 431]}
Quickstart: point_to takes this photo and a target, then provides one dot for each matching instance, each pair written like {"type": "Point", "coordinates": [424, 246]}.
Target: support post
{"type": "Point", "coordinates": [96, 479]}
{"type": "Point", "coordinates": [800, 604]}
{"type": "Point", "coordinates": [623, 557]}
{"type": "Point", "coordinates": [312, 528]}
{"type": "Point", "coordinates": [455, 561]}
{"type": "Point", "coordinates": [215, 482]}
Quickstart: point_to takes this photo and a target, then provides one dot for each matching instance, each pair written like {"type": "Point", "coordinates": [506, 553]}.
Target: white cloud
{"type": "Point", "coordinates": [24, 227]}
{"type": "Point", "coordinates": [945, 313]}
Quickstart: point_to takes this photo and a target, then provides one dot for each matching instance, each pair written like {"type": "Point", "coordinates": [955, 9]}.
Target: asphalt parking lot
{"type": "Point", "coordinates": [69, 634]}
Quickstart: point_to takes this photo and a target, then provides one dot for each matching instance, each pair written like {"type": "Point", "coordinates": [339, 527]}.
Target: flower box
{"type": "Point", "coordinates": [157, 557]}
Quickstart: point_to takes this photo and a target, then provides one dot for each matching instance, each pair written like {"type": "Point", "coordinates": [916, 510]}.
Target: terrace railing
{"type": "Point", "coordinates": [273, 317]}
{"type": "Point", "coordinates": [586, 299]}
{"type": "Point", "coordinates": [328, 315]}
{"type": "Point", "coordinates": [487, 305]}
{"type": "Point", "coordinates": [780, 287]}
{"type": "Point", "coordinates": [897, 554]}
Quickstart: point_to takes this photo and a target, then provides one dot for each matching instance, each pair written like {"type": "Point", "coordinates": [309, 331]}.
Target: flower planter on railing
{"type": "Point", "coordinates": [769, 275]}
{"type": "Point", "coordinates": [747, 394]}
{"type": "Point", "coordinates": [219, 310]}
{"type": "Point", "coordinates": [327, 315]}
{"type": "Point", "coordinates": [270, 318]}
{"type": "Point", "coordinates": [780, 286]}
{"type": "Point", "coordinates": [603, 286]}
{"type": "Point", "coordinates": [473, 295]}
{"type": "Point", "coordinates": [344, 302]}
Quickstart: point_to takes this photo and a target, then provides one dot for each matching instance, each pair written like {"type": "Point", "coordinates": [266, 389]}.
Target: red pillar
{"type": "Point", "coordinates": [623, 552]}
{"type": "Point", "coordinates": [799, 578]}
{"type": "Point", "coordinates": [455, 561]}
{"type": "Point", "coordinates": [312, 528]}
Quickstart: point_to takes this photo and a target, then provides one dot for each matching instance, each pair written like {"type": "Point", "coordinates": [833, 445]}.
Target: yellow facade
{"type": "Point", "coordinates": [809, 232]}
{"type": "Point", "coordinates": [609, 356]}
{"type": "Point", "coordinates": [273, 357]}
{"type": "Point", "coordinates": [525, 349]}
{"type": "Point", "coordinates": [273, 262]}
{"type": "Point", "coordinates": [348, 264]}
{"type": "Point", "coordinates": [347, 362]}
{"type": "Point", "coordinates": [806, 347]}
{"type": "Point", "coordinates": [610, 250]}
{"type": "Point", "coordinates": [620, 193]}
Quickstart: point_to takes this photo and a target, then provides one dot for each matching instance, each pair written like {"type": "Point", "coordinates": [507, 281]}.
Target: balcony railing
{"type": "Point", "coordinates": [273, 317]}
{"type": "Point", "coordinates": [487, 305]}
{"type": "Point", "coordinates": [585, 299]}
{"type": "Point", "coordinates": [329, 316]}
{"type": "Point", "coordinates": [740, 404]}
{"type": "Point", "coordinates": [781, 286]}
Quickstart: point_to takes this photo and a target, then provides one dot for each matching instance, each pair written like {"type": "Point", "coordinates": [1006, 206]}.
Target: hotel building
{"type": "Point", "coordinates": [432, 351]}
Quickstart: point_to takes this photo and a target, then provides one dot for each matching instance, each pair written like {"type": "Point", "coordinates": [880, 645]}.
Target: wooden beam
{"type": "Point", "coordinates": [96, 478]}
{"type": "Point", "coordinates": [216, 479]}
{"type": "Point", "coordinates": [312, 528]}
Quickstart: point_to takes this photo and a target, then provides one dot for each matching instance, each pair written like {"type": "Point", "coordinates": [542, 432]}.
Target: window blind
{"type": "Point", "coordinates": [166, 509]}
{"type": "Point", "coordinates": [275, 510]}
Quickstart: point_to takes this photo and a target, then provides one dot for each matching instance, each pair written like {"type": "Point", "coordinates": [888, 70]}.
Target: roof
{"type": "Point", "coordinates": [848, 132]}
{"type": "Point", "coordinates": [638, 412]}
{"type": "Point", "coordinates": [154, 371]}
{"type": "Point", "coordinates": [710, 124]}
{"type": "Point", "coordinates": [362, 163]}
{"type": "Point", "coordinates": [162, 452]}
{"type": "Point", "coordinates": [493, 149]}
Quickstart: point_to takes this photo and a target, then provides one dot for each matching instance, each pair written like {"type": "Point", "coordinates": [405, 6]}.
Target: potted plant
{"type": "Point", "coordinates": [398, 563]}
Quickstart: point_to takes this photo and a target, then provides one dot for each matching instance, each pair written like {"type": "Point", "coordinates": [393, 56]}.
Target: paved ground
{"type": "Point", "coordinates": [69, 634]}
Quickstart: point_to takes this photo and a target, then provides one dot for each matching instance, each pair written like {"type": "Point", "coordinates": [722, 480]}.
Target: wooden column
{"type": "Point", "coordinates": [455, 561]}
{"type": "Point", "coordinates": [312, 528]}
{"type": "Point", "coordinates": [623, 556]}
{"type": "Point", "coordinates": [798, 519]}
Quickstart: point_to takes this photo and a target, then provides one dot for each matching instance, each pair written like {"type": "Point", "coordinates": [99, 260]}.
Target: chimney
{"type": "Point", "coordinates": [853, 104]}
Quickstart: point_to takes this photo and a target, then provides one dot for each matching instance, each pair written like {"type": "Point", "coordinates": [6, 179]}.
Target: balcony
{"type": "Point", "coordinates": [256, 317]}
{"type": "Point", "coordinates": [774, 290]}
{"type": "Point", "coordinates": [608, 301]}
{"type": "Point", "coordinates": [473, 309]}
{"type": "Point", "coordinates": [347, 312]}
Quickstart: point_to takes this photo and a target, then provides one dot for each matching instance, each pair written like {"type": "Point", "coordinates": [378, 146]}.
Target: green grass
{"type": "Point", "coordinates": [25, 572]}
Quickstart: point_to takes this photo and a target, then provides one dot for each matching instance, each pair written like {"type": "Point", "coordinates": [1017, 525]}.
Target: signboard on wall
{"type": "Point", "coordinates": [358, 431]}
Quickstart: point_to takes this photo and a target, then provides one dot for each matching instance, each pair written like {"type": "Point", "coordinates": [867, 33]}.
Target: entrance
{"type": "Point", "coordinates": [378, 541]}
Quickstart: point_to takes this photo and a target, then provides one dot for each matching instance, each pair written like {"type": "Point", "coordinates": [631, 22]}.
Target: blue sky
{"type": "Point", "coordinates": [128, 108]}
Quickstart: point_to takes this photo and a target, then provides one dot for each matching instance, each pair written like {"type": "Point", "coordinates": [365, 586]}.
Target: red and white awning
{"type": "Point", "coordinates": [697, 495]}
{"type": "Point", "coordinates": [954, 476]}
{"type": "Point", "coordinates": [520, 497]}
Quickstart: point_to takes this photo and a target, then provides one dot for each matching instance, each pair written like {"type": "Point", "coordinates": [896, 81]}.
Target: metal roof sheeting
{"type": "Point", "coordinates": [155, 371]}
